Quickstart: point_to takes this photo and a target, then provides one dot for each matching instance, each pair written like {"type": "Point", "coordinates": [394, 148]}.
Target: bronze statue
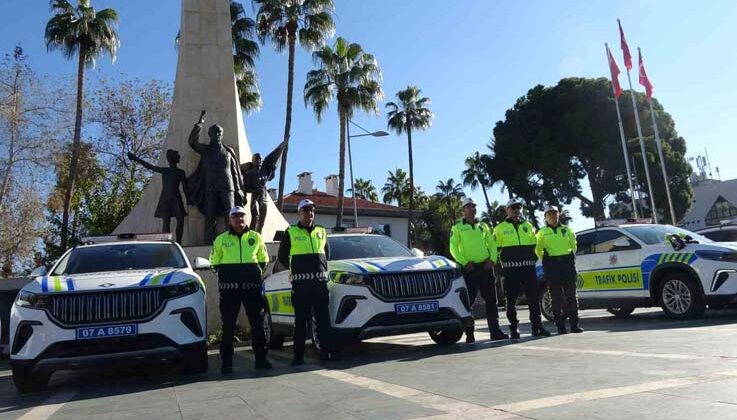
{"type": "Point", "coordinates": [170, 201]}
{"type": "Point", "coordinates": [216, 185]}
{"type": "Point", "coordinates": [255, 176]}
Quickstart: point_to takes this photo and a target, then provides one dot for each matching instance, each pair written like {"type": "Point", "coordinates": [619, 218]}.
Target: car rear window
{"type": "Point", "coordinates": [120, 257]}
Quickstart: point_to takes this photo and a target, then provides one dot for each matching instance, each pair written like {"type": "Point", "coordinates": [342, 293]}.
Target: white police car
{"type": "Point", "coordinates": [378, 287]}
{"type": "Point", "coordinates": [110, 302]}
{"type": "Point", "coordinates": [625, 266]}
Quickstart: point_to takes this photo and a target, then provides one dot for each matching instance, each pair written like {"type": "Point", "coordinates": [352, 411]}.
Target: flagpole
{"type": "Point", "coordinates": [657, 137]}
{"type": "Point", "coordinates": [624, 142]}
{"type": "Point", "coordinates": [654, 210]}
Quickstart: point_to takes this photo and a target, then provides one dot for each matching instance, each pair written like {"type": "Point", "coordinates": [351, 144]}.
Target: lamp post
{"type": "Point", "coordinates": [350, 160]}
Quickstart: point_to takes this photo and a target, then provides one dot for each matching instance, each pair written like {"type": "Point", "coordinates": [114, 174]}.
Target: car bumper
{"type": "Point", "coordinates": [358, 313]}
{"type": "Point", "coordinates": [168, 323]}
{"type": "Point", "coordinates": [59, 356]}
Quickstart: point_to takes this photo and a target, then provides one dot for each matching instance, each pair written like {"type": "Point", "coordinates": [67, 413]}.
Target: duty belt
{"type": "Point", "coordinates": [239, 286]}
{"type": "Point", "coordinates": [319, 276]}
{"type": "Point", "coordinates": [518, 264]}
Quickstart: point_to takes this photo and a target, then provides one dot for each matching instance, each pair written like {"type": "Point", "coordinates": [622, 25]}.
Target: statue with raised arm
{"type": "Point", "coordinates": [255, 176]}
{"type": "Point", "coordinates": [170, 201]}
{"type": "Point", "coordinates": [216, 185]}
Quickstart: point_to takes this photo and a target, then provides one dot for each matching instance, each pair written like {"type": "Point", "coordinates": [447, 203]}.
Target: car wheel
{"type": "Point", "coordinates": [26, 380]}
{"type": "Point", "coordinates": [621, 311]}
{"type": "Point", "coordinates": [195, 361]}
{"type": "Point", "coordinates": [680, 297]}
{"type": "Point", "coordinates": [546, 303]}
{"type": "Point", "coordinates": [446, 337]}
{"type": "Point", "coordinates": [273, 340]}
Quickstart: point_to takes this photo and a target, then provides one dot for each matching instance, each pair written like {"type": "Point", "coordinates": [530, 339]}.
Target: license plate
{"type": "Point", "coordinates": [102, 331]}
{"type": "Point", "coordinates": [416, 307]}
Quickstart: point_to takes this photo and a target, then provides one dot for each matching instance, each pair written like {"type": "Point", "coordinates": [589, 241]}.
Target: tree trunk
{"type": "Point", "coordinates": [11, 147]}
{"type": "Point", "coordinates": [288, 122]}
{"type": "Point", "coordinates": [597, 199]}
{"type": "Point", "coordinates": [341, 166]}
{"type": "Point", "coordinates": [411, 187]}
{"type": "Point", "coordinates": [486, 197]}
{"type": "Point", "coordinates": [76, 145]}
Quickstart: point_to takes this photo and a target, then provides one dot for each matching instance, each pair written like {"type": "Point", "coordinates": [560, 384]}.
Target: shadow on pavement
{"type": "Point", "coordinates": [119, 381]}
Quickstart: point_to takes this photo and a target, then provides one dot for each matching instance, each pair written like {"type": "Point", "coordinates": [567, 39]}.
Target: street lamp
{"type": "Point", "coordinates": [350, 161]}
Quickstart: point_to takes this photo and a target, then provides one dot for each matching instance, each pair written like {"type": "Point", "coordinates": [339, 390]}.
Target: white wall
{"type": "Point", "coordinates": [398, 224]}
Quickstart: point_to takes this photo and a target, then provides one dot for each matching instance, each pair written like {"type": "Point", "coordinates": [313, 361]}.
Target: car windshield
{"type": "Point", "coordinates": [365, 246]}
{"type": "Point", "coordinates": [655, 234]}
{"type": "Point", "coordinates": [120, 257]}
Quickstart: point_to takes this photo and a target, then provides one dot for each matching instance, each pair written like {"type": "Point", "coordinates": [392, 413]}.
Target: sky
{"type": "Point", "coordinates": [472, 58]}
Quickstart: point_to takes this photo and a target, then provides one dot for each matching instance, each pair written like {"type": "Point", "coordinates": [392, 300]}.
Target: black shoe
{"type": "Point", "coordinates": [576, 329]}
{"type": "Point", "coordinates": [497, 334]}
{"type": "Point", "coordinates": [262, 364]}
{"type": "Point", "coordinates": [470, 339]}
{"type": "Point", "coordinates": [513, 331]}
{"type": "Point", "coordinates": [540, 332]}
{"type": "Point", "coordinates": [562, 330]}
{"type": "Point", "coordinates": [298, 360]}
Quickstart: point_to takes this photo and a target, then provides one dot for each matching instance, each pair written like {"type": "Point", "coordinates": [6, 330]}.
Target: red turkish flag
{"type": "Point", "coordinates": [644, 81]}
{"type": "Point", "coordinates": [625, 48]}
{"type": "Point", "coordinates": [614, 69]}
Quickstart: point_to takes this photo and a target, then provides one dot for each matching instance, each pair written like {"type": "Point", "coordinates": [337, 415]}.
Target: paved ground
{"type": "Point", "coordinates": [645, 366]}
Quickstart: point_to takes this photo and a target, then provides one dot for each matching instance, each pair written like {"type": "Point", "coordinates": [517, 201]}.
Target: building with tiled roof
{"type": "Point", "coordinates": [389, 219]}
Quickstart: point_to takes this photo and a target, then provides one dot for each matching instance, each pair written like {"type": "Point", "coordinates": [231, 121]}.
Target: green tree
{"type": "Point", "coordinates": [352, 76]}
{"type": "Point", "coordinates": [475, 175]}
{"type": "Point", "coordinates": [410, 114]}
{"type": "Point", "coordinates": [285, 22]}
{"type": "Point", "coordinates": [556, 136]}
{"type": "Point", "coordinates": [86, 33]}
{"type": "Point", "coordinates": [396, 188]}
{"type": "Point", "coordinates": [245, 52]}
{"type": "Point", "coordinates": [450, 194]}
{"type": "Point", "coordinates": [364, 189]}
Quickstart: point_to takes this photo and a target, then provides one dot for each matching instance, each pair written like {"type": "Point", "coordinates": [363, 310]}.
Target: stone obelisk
{"type": "Point", "coordinates": [204, 80]}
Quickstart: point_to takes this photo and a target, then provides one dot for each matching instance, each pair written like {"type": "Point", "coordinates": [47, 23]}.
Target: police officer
{"type": "Point", "coordinates": [304, 250]}
{"type": "Point", "coordinates": [472, 246]}
{"type": "Point", "coordinates": [239, 255]}
{"type": "Point", "coordinates": [516, 241]}
{"type": "Point", "coordinates": [556, 246]}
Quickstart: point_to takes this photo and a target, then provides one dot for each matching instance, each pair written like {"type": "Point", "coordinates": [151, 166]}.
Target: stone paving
{"type": "Point", "coordinates": [645, 366]}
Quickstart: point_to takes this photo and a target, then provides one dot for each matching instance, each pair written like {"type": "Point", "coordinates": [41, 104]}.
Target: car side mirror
{"type": "Point", "coordinates": [201, 263]}
{"type": "Point", "coordinates": [418, 253]}
{"type": "Point", "coordinates": [39, 271]}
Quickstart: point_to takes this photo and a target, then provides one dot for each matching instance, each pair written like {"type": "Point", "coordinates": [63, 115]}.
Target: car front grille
{"type": "Point", "coordinates": [411, 285]}
{"type": "Point", "coordinates": [101, 307]}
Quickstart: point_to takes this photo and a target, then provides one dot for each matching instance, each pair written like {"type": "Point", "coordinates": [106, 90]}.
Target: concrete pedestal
{"type": "Point", "coordinates": [204, 80]}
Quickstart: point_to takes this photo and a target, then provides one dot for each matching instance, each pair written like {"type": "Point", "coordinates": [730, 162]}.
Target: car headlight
{"type": "Point", "coordinates": [27, 299]}
{"type": "Point", "coordinates": [729, 256]}
{"type": "Point", "coordinates": [182, 289]}
{"type": "Point", "coordinates": [343, 277]}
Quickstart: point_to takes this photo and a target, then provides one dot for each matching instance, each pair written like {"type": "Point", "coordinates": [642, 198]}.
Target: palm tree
{"type": "Point", "coordinates": [245, 51]}
{"type": "Point", "coordinates": [88, 34]}
{"type": "Point", "coordinates": [284, 22]}
{"type": "Point", "coordinates": [410, 114]}
{"type": "Point", "coordinates": [475, 176]}
{"type": "Point", "coordinates": [352, 76]}
{"type": "Point", "coordinates": [364, 189]}
{"type": "Point", "coordinates": [450, 192]}
{"type": "Point", "coordinates": [396, 187]}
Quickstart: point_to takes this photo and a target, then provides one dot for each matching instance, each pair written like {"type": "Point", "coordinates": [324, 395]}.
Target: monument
{"type": "Point", "coordinates": [204, 81]}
